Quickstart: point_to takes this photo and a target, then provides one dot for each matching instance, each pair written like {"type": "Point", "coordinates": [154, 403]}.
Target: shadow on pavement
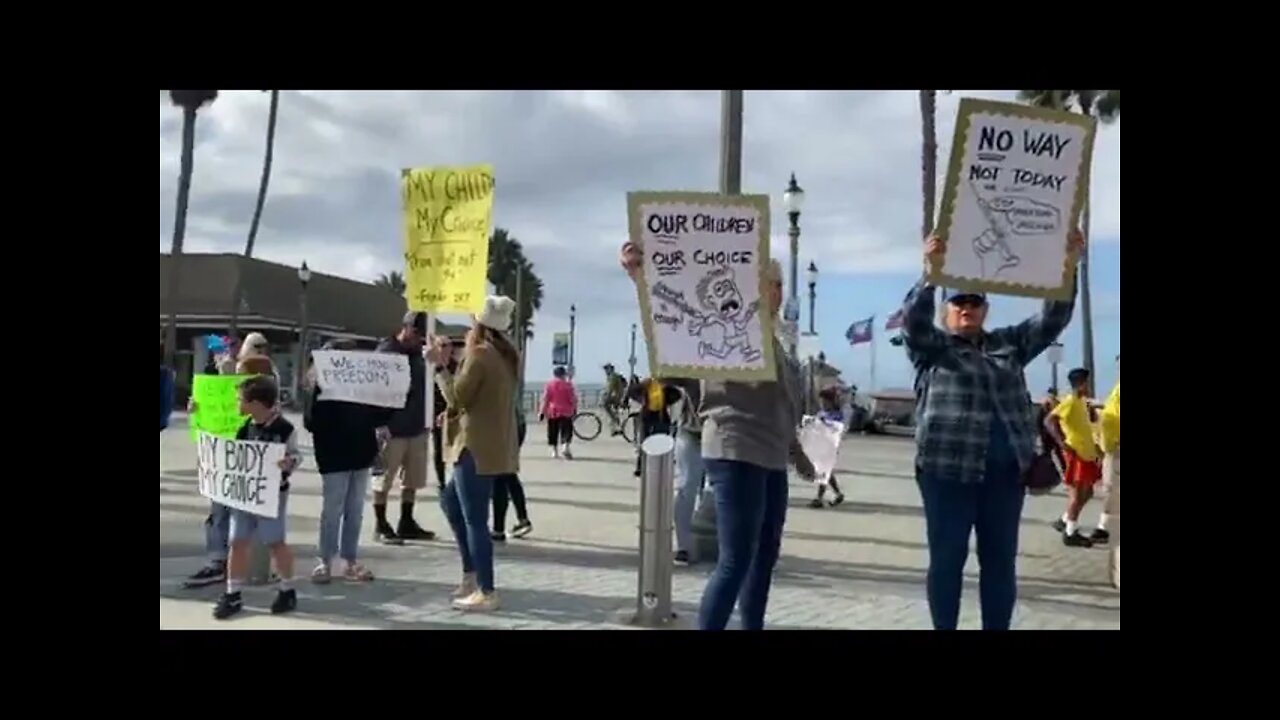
{"type": "Point", "coordinates": [413, 605]}
{"type": "Point", "coordinates": [803, 571]}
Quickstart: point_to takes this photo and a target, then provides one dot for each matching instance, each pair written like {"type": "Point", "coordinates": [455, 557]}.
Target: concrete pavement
{"type": "Point", "coordinates": [857, 566]}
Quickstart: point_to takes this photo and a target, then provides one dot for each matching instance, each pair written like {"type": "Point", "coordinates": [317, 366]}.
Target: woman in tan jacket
{"type": "Point", "coordinates": [481, 436]}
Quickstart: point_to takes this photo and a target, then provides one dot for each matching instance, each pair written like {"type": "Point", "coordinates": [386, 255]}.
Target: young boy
{"type": "Point", "coordinates": [258, 396]}
{"type": "Point", "coordinates": [1071, 425]}
{"type": "Point", "coordinates": [830, 413]}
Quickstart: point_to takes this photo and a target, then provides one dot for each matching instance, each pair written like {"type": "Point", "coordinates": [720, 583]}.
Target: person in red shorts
{"type": "Point", "coordinates": [1071, 426]}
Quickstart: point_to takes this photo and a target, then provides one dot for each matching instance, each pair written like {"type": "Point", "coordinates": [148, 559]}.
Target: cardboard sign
{"type": "Point", "coordinates": [1015, 187]}
{"type": "Point", "coordinates": [705, 258]}
{"type": "Point", "coordinates": [241, 474]}
{"type": "Point", "coordinates": [380, 379]}
{"type": "Point", "coordinates": [217, 399]}
{"type": "Point", "coordinates": [448, 214]}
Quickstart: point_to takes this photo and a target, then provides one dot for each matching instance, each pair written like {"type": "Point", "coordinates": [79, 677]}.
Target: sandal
{"type": "Point", "coordinates": [320, 575]}
{"type": "Point", "coordinates": [357, 573]}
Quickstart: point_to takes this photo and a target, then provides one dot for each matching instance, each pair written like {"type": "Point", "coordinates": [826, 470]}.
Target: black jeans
{"type": "Point", "coordinates": [504, 486]}
{"type": "Point", "coordinates": [559, 430]}
{"type": "Point", "coordinates": [437, 454]}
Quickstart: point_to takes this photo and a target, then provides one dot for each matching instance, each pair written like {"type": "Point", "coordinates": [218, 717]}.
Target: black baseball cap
{"type": "Point", "coordinates": [963, 296]}
{"type": "Point", "coordinates": [417, 321]}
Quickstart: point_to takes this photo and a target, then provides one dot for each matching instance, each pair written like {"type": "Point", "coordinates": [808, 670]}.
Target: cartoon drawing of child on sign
{"type": "Point", "coordinates": [723, 327]}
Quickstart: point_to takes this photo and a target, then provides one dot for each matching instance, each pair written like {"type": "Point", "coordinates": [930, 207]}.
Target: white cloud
{"type": "Point", "coordinates": [564, 161]}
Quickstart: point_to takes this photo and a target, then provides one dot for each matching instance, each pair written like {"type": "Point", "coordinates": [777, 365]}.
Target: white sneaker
{"type": "Point", "coordinates": [477, 602]}
{"type": "Point", "coordinates": [555, 453]}
{"type": "Point", "coordinates": [568, 454]}
{"type": "Point", "coordinates": [467, 588]}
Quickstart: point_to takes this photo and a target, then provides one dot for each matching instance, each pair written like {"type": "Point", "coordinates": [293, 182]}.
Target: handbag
{"type": "Point", "coordinates": [1043, 475]}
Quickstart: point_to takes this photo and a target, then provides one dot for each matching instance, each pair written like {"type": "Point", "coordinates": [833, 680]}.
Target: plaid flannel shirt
{"type": "Point", "coordinates": [962, 386]}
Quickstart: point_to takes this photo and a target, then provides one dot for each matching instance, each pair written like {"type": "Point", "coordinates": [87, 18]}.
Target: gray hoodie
{"type": "Point", "coordinates": [753, 422]}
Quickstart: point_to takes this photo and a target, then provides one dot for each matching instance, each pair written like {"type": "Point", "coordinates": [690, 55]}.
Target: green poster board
{"type": "Point", "coordinates": [217, 401]}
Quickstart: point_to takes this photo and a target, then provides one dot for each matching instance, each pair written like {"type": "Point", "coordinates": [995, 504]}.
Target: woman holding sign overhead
{"type": "Point", "coordinates": [748, 439]}
{"type": "Point", "coordinates": [975, 437]}
{"type": "Point", "coordinates": [481, 429]}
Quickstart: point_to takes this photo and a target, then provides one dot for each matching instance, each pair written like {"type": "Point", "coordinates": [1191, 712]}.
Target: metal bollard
{"type": "Point", "coordinates": [653, 596]}
{"type": "Point", "coordinates": [259, 564]}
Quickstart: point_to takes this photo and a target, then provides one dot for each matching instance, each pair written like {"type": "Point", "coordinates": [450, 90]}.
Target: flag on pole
{"type": "Point", "coordinates": [860, 331]}
{"type": "Point", "coordinates": [895, 320]}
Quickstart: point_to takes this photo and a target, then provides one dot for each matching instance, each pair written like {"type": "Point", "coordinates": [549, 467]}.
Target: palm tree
{"type": "Point", "coordinates": [929, 161]}
{"type": "Point", "coordinates": [392, 281]}
{"type": "Point", "coordinates": [1104, 105]}
{"type": "Point", "coordinates": [237, 296]}
{"type": "Point", "coordinates": [929, 170]}
{"type": "Point", "coordinates": [506, 262]}
{"type": "Point", "coordinates": [190, 101]}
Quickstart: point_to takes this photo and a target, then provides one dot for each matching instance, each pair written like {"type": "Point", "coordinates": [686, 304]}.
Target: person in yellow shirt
{"type": "Point", "coordinates": [1071, 426]}
{"type": "Point", "coordinates": [1110, 439]}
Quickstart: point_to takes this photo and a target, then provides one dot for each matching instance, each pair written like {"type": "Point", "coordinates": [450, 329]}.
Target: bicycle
{"type": "Point", "coordinates": [587, 425]}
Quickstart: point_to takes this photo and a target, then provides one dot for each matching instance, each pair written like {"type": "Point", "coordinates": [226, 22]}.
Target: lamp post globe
{"type": "Point", "coordinates": [793, 197]}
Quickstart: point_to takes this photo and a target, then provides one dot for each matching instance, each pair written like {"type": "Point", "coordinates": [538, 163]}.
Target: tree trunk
{"type": "Point", "coordinates": [929, 163]}
{"type": "Point", "coordinates": [179, 231]}
{"type": "Point", "coordinates": [1086, 304]}
{"type": "Point", "coordinates": [1086, 300]}
{"type": "Point", "coordinates": [237, 295]}
{"type": "Point", "coordinates": [929, 173]}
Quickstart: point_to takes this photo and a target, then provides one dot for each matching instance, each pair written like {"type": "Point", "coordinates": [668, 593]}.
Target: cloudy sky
{"type": "Point", "coordinates": [564, 161]}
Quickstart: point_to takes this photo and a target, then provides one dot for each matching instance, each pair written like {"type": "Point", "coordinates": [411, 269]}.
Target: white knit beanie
{"type": "Point", "coordinates": [497, 311]}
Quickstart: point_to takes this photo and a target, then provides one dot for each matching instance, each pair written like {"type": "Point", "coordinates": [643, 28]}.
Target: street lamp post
{"type": "Point", "coordinates": [813, 294]}
{"type": "Point", "coordinates": [573, 329]}
{"type": "Point", "coordinates": [304, 277]}
{"type": "Point", "coordinates": [792, 200]}
{"type": "Point", "coordinates": [1055, 359]}
{"type": "Point", "coordinates": [631, 360]}
{"type": "Point", "coordinates": [812, 277]}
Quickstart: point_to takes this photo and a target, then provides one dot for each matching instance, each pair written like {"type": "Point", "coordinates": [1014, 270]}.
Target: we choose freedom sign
{"type": "Point", "coordinates": [379, 379]}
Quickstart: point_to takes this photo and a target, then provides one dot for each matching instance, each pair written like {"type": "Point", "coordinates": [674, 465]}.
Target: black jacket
{"type": "Point", "coordinates": [639, 392]}
{"type": "Point", "coordinates": [411, 420]}
{"type": "Point", "coordinates": [343, 433]}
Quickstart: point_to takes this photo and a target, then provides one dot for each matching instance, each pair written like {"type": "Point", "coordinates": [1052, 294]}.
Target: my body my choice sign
{"type": "Point", "coordinates": [241, 474]}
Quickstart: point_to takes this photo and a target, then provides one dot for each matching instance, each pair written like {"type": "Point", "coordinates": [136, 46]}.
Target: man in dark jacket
{"type": "Point", "coordinates": [405, 452]}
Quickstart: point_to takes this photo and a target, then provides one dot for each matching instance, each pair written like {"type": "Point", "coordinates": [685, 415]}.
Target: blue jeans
{"type": "Point", "coordinates": [217, 532]}
{"type": "Point", "coordinates": [953, 509]}
{"type": "Point", "coordinates": [268, 531]}
{"type": "Point", "coordinates": [689, 469]}
{"type": "Point", "coordinates": [342, 514]}
{"type": "Point", "coordinates": [751, 508]}
{"type": "Point", "coordinates": [466, 505]}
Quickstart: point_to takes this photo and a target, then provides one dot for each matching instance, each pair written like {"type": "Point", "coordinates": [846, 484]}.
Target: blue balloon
{"type": "Point", "coordinates": [215, 343]}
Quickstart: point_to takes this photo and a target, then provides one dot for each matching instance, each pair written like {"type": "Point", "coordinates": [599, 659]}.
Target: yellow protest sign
{"type": "Point", "coordinates": [217, 399]}
{"type": "Point", "coordinates": [448, 213]}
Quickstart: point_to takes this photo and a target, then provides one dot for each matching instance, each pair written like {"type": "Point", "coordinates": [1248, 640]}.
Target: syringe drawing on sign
{"type": "Point", "coordinates": [722, 325]}
{"type": "Point", "coordinates": [996, 237]}
{"type": "Point", "coordinates": [1006, 217]}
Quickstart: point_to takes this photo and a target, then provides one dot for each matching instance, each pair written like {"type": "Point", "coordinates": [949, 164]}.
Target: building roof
{"type": "Point", "coordinates": [272, 291]}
